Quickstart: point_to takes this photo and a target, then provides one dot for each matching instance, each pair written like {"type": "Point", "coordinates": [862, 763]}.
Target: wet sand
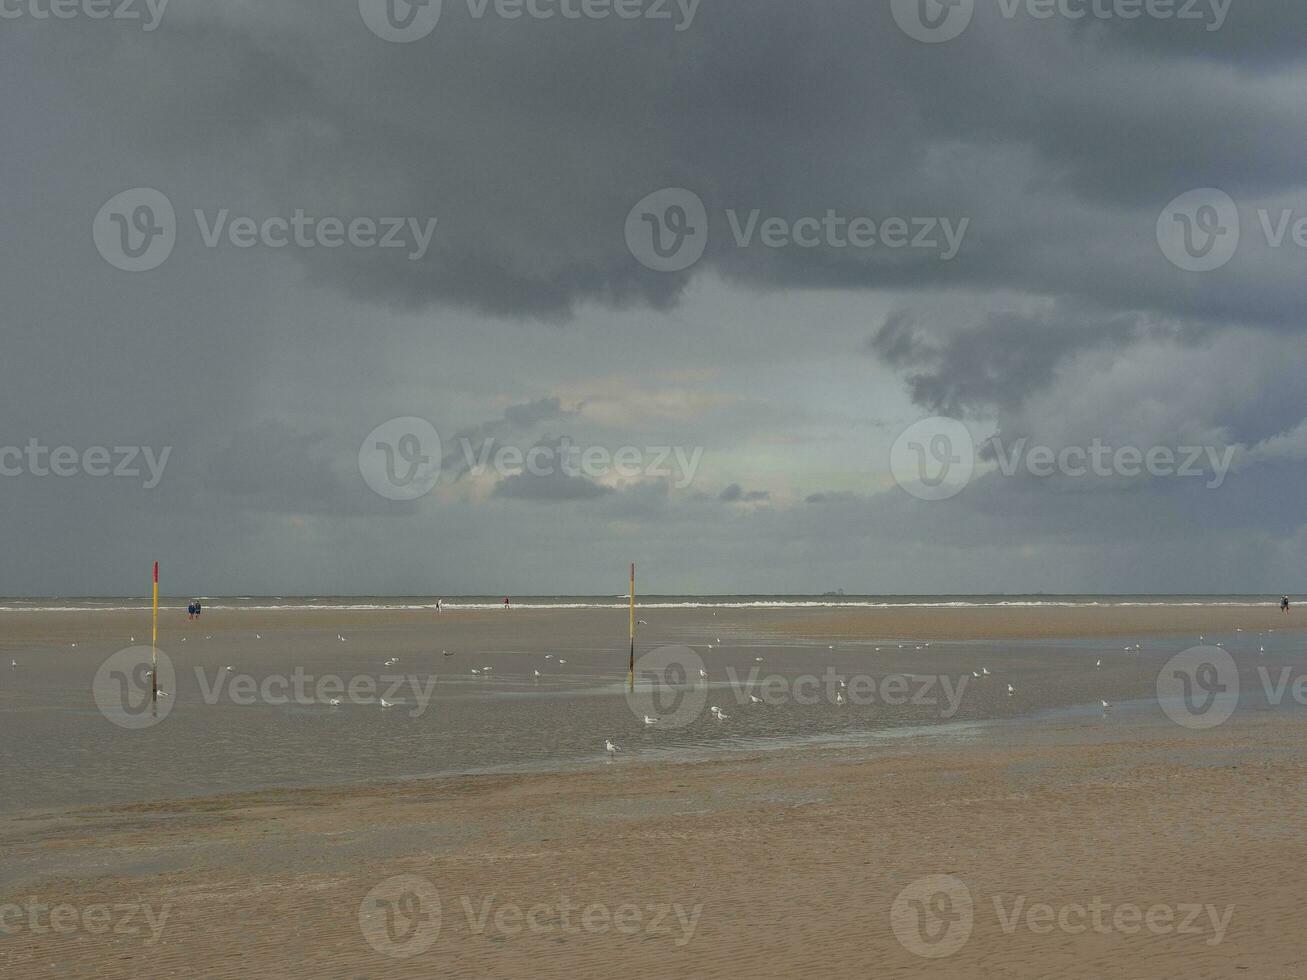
{"type": "Point", "coordinates": [758, 863]}
{"type": "Point", "coordinates": [781, 865]}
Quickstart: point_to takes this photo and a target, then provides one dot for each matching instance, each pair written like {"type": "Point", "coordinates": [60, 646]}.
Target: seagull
{"type": "Point", "coordinates": [475, 671]}
{"type": "Point", "coordinates": [392, 661]}
{"type": "Point", "coordinates": [229, 668]}
{"type": "Point", "coordinates": [839, 698]}
{"type": "Point", "coordinates": [703, 673]}
{"type": "Point", "coordinates": [341, 638]}
{"type": "Point", "coordinates": [757, 660]}
{"type": "Point", "coordinates": [13, 663]}
{"type": "Point", "coordinates": [334, 702]}
{"type": "Point", "coordinates": [549, 656]}
{"type": "Point", "coordinates": [1106, 704]}
{"type": "Point", "coordinates": [754, 699]}
{"type": "Point", "coordinates": [74, 644]}
{"type": "Point", "coordinates": [984, 671]}
{"type": "Point", "coordinates": [719, 639]}
{"type": "Point", "coordinates": [537, 673]}
{"type": "Point", "coordinates": [641, 622]}
{"type": "Point", "coordinates": [446, 653]}
{"type": "Point", "coordinates": [1011, 690]}
{"type": "Point", "coordinates": [975, 673]}
{"type": "Point", "coordinates": [163, 694]}
{"type": "Point", "coordinates": [133, 639]}
{"type": "Point", "coordinates": [719, 714]}
{"type": "Point", "coordinates": [562, 661]}
{"type": "Point", "coordinates": [385, 704]}
{"type": "Point", "coordinates": [610, 748]}
{"type": "Point", "coordinates": [258, 636]}
{"type": "Point", "coordinates": [1261, 649]}
{"type": "Point", "coordinates": [650, 721]}
{"type": "Point", "coordinates": [1099, 665]}
{"type": "Point", "coordinates": [487, 669]}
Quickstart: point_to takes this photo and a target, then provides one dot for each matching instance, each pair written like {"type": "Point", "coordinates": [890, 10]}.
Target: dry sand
{"type": "Point", "coordinates": [780, 865]}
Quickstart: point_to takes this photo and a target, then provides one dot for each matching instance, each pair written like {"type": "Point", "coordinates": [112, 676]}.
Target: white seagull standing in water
{"type": "Point", "coordinates": [650, 721]}
{"type": "Point", "coordinates": [754, 699]}
{"type": "Point", "coordinates": [1011, 690]}
{"type": "Point", "coordinates": [1099, 665]}
{"type": "Point", "coordinates": [703, 674]}
{"type": "Point", "coordinates": [386, 704]}
{"type": "Point", "coordinates": [1107, 705]}
{"type": "Point", "coordinates": [839, 698]}
{"type": "Point", "coordinates": [984, 671]}
{"type": "Point", "coordinates": [610, 748]}
{"type": "Point", "coordinates": [334, 702]}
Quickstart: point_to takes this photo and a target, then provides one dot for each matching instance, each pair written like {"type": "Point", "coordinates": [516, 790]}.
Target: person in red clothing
{"type": "Point", "coordinates": [505, 602]}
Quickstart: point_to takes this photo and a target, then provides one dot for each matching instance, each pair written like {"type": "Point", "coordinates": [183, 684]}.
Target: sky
{"type": "Point", "coordinates": [308, 297]}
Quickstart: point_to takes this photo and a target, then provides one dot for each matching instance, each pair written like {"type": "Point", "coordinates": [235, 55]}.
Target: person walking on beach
{"type": "Point", "coordinates": [440, 605]}
{"type": "Point", "coordinates": [505, 602]}
{"type": "Point", "coordinates": [1284, 603]}
{"type": "Point", "coordinates": [190, 610]}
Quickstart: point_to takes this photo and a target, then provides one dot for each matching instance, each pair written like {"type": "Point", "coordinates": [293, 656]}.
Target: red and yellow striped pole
{"type": "Point", "coordinates": [154, 642]}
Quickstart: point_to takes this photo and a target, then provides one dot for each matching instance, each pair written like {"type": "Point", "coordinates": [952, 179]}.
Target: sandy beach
{"type": "Point", "coordinates": [1064, 844]}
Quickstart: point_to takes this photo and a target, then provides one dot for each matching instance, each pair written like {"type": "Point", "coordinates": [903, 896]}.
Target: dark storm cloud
{"type": "Point", "coordinates": [1059, 319]}
{"type": "Point", "coordinates": [736, 494]}
{"type": "Point", "coordinates": [994, 364]}
{"type": "Point", "coordinates": [468, 444]}
{"type": "Point", "coordinates": [1059, 145]}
